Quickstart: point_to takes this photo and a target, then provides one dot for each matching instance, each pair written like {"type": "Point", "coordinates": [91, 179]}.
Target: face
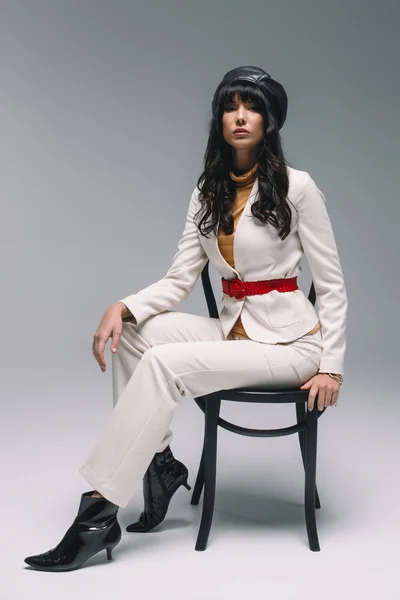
{"type": "Point", "coordinates": [239, 114]}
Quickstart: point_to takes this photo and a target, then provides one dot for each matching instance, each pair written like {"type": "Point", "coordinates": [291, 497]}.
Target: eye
{"type": "Point", "coordinates": [230, 107]}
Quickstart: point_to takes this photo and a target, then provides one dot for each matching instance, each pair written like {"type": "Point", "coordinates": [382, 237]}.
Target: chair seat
{"type": "Point", "coordinates": [260, 395]}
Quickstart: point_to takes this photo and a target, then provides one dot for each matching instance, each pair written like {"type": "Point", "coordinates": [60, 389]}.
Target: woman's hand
{"type": "Point", "coordinates": [110, 326]}
{"type": "Point", "coordinates": [326, 388]}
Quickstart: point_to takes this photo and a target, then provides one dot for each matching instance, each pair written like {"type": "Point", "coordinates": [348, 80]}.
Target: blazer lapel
{"type": "Point", "coordinates": [241, 230]}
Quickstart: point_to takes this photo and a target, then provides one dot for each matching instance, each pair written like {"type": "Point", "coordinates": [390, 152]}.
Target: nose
{"type": "Point", "coordinates": [241, 113]}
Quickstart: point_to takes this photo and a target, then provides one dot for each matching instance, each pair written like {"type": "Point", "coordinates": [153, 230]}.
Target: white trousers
{"type": "Point", "coordinates": [170, 355]}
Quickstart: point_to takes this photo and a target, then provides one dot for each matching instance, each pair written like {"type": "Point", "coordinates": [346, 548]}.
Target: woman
{"type": "Point", "coordinates": [252, 216]}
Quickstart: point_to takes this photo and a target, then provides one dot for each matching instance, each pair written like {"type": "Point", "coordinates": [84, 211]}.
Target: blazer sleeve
{"type": "Point", "coordinates": [318, 242]}
{"type": "Point", "coordinates": [187, 264]}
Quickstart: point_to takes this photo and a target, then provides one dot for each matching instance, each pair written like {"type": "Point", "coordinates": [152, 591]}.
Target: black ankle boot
{"type": "Point", "coordinates": [160, 482]}
{"type": "Point", "coordinates": [94, 529]}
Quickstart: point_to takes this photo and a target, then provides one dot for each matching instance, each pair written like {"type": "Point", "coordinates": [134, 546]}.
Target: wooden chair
{"type": "Point", "coordinates": [306, 427]}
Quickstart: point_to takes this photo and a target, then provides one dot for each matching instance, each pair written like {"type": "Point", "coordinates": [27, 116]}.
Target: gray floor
{"type": "Point", "coordinates": [258, 541]}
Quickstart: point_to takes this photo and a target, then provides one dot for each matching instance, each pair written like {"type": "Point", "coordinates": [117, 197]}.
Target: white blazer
{"type": "Point", "coordinates": [260, 254]}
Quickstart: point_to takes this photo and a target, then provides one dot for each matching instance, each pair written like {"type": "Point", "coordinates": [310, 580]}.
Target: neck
{"type": "Point", "coordinates": [244, 160]}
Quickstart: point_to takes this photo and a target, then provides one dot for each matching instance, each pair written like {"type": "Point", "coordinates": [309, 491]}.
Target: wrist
{"type": "Point", "coordinates": [336, 376]}
{"type": "Point", "coordinates": [125, 312]}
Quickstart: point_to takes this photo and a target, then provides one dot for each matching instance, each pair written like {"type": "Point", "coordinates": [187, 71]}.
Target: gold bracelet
{"type": "Point", "coordinates": [336, 376]}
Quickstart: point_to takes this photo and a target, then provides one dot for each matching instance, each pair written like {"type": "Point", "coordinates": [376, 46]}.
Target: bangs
{"type": "Point", "coordinates": [247, 91]}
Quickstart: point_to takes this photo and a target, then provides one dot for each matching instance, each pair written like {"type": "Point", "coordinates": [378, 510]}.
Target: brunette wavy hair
{"type": "Point", "coordinates": [217, 189]}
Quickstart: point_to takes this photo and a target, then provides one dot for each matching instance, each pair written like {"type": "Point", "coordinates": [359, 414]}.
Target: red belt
{"type": "Point", "coordinates": [239, 289]}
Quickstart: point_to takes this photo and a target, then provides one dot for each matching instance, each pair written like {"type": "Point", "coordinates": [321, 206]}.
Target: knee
{"type": "Point", "coordinates": [164, 360]}
{"type": "Point", "coordinates": [126, 344]}
{"type": "Point", "coordinates": [161, 354]}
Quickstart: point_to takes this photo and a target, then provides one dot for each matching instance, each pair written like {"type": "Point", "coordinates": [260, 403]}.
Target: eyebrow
{"type": "Point", "coordinates": [234, 101]}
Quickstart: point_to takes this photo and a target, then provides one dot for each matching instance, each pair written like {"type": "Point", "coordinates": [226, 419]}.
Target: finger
{"type": "Point", "coordinates": [327, 399]}
{"type": "Point", "coordinates": [100, 360]}
{"type": "Point", "coordinates": [99, 351]}
{"type": "Point", "coordinates": [331, 398]}
{"type": "Point", "coordinates": [115, 340]}
{"type": "Point", "coordinates": [311, 398]}
{"type": "Point", "coordinates": [94, 347]}
{"type": "Point", "coordinates": [334, 398]}
{"type": "Point", "coordinates": [321, 398]}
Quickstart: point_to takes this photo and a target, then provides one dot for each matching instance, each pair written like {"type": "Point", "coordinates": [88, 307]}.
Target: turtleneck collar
{"type": "Point", "coordinates": [245, 178]}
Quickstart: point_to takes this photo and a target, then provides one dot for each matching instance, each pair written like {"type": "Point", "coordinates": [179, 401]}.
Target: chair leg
{"type": "Point", "coordinates": [300, 414]}
{"type": "Point", "coordinates": [198, 486]}
{"type": "Point", "coordinates": [209, 470]}
{"type": "Point", "coordinates": [310, 469]}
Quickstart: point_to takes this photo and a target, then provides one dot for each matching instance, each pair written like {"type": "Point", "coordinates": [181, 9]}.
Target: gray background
{"type": "Point", "coordinates": [104, 108]}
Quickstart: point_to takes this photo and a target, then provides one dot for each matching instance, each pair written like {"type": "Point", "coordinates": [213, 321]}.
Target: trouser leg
{"type": "Point", "coordinates": [202, 363]}
{"type": "Point", "coordinates": [132, 346]}
{"type": "Point", "coordinates": [135, 341]}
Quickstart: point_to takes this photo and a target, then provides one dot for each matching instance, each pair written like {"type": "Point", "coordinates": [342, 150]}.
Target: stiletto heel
{"type": "Point", "coordinates": [162, 479]}
{"type": "Point", "coordinates": [109, 550]}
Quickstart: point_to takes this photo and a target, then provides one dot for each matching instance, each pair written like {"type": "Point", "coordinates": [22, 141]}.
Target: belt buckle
{"type": "Point", "coordinates": [237, 288]}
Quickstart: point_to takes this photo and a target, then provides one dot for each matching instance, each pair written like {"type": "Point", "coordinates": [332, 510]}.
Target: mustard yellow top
{"type": "Point", "coordinates": [244, 184]}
